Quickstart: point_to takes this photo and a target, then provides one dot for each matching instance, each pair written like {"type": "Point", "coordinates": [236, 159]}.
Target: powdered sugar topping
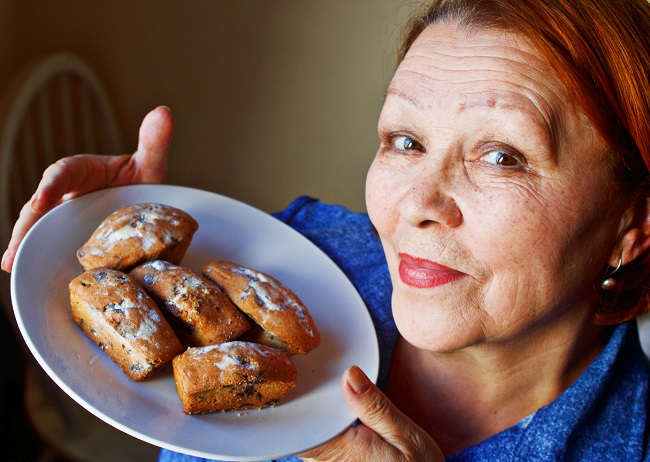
{"type": "Point", "coordinates": [139, 223]}
{"type": "Point", "coordinates": [271, 295]}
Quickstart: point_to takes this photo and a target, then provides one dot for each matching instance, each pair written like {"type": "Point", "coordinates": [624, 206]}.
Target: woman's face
{"type": "Point", "coordinates": [490, 192]}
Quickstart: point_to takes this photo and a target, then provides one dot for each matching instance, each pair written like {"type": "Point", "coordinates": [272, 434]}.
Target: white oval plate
{"type": "Point", "coordinates": [308, 416]}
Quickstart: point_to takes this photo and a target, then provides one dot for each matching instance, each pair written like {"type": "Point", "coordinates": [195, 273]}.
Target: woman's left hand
{"type": "Point", "coordinates": [385, 433]}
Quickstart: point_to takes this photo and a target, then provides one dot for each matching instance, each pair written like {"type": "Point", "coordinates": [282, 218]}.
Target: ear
{"type": "Point", "coordinates": [634, 233]}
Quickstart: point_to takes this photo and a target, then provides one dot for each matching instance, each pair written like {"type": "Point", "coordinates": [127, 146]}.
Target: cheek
{"type": "Point", "coordinates": [506, 232]}
{"type": "Point", "coordinates": [541, 254]}
{"type": "Point", "coordinates": [381, 193]}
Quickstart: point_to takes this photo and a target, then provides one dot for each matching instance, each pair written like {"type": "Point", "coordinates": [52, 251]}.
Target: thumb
{"type": "Point", "coordinates": [379, 414]}
{"type": "Point", "coordinates": [154, 140]}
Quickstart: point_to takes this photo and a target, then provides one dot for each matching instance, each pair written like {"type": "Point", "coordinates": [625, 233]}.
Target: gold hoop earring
{"type": "Point", "coordinates": [609, 283]}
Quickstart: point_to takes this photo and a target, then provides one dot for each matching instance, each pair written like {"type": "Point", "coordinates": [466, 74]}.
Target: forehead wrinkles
{"type": "Point", "coordinates": [445, 48]}
{"type": "Point", "coordinates": [473, 73]}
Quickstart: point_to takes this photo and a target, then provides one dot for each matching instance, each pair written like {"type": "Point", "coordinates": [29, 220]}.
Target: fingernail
{"type": "Point", "coordinates": [357, 380]}
{"type": "Point", "coordinates": [5, 258]}
{"type": "Point", "coordinates": [34, 202]}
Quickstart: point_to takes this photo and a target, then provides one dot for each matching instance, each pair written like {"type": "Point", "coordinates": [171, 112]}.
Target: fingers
{"type": "Point", "coordinates": [154, 141]}
{"type": "Point", "coordinates": [378, 413]}
{"type": "Point", "coordinates": [354, 445]}
{"type": "Point", "coordinates": [84, 173]}
{"type": "Point", "coordinates": [72, 176]}
{"type": "Point", "coordinates": [66, 178]}
{"type": "Point", "coordinates": [386, 433]}
{"type": "Point", "coordinates": [24, 223]}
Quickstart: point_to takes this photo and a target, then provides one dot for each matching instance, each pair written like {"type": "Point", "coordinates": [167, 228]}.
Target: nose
{"type": "Point", "coordinates": [427, 201]}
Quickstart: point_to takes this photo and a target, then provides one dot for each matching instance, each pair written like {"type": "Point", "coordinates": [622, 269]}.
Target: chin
{"type": "Point", "coordinates": [433, 330]}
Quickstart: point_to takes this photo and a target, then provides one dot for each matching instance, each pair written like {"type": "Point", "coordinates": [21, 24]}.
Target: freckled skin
{"type": "Point", "coordinates": [531, 237]}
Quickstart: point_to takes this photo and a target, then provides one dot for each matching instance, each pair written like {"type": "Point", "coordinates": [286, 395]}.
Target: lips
{"type": "Point", "coordinates": [425, 274]}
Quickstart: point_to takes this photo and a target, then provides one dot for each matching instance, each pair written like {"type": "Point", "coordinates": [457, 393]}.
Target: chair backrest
{"type": "Point", "coordinates": [53, 108]}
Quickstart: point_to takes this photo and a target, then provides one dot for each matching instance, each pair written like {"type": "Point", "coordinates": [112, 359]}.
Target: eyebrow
{"type": "Point", "coordinates": [488, 101]}
{"type": "Point", "coordinates": [491, 101]}
{"type": "Point", "coordinates": [404, 96]}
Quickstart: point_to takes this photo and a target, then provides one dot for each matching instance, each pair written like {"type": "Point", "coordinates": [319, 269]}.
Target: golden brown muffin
{"type": "Point", "coordinates": [137, 233]}
{"type": "Point", "coordinates": [232, 376]}
{"type": "Point", "coordinates": [283, 319]}
{"type": "Point", "coordinates": [198, 311]}
{"type": "Point", "coordinates": [119, 316]}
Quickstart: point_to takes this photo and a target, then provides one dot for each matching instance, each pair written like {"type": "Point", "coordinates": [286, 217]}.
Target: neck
{"type": "Point", "coordinates": [463, 397]}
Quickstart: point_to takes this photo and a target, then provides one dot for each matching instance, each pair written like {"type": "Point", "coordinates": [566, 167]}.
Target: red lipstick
{"type": "Point", "coordinates": [425, 274]}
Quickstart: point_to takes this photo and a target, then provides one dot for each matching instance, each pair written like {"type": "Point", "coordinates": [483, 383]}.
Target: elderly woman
{"type": "Point", "coordinates": [510, 198]}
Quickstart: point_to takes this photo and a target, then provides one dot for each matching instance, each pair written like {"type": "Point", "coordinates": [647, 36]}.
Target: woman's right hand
{"type": "Point", "coordinates": [76, 175]}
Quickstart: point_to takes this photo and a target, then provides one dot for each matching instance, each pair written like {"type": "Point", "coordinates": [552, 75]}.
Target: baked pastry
{"type": "Point", "coordinates": [232, 376]}
{"type": "Point", "coordinates": [137, 233]}
{"type": "Point", "coordinates": [198, 311]}
{"type": "Point", "coordinates": [284, 321]}
{"type": "Point", "coordinates": [119, 316]}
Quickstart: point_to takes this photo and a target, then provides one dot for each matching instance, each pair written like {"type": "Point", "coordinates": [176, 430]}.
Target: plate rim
{"type": "Point", "coordinates": [44, 364]}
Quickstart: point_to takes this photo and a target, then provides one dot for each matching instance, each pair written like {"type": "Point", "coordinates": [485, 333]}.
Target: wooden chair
{"type": "Point", "coordinates": [56, 107]}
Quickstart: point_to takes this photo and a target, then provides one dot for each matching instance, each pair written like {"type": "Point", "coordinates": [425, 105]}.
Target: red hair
{"type": "Point", "coordinates": [600, 51]}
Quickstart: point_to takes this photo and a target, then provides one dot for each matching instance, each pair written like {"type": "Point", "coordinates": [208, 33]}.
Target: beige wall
{"type": "Point", "coordinates": [271, 98]}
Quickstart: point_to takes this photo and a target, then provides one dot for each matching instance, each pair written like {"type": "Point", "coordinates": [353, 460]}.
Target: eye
{"type": "Point", "coordinates": [406, 143]}
{"type": "Point", "coordinates": [503, 158]}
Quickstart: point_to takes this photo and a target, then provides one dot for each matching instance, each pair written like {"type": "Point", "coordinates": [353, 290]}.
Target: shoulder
{"type": "Point", "coordinates": [350, 241]}
{"type": "Point", "coordinates": [306, 212]}
{"type": "Point", "coordinates": [347, 237]}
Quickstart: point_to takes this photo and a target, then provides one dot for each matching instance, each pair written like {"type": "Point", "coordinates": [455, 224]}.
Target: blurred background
{"type": "Point", "coordinates": [271, 99]}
